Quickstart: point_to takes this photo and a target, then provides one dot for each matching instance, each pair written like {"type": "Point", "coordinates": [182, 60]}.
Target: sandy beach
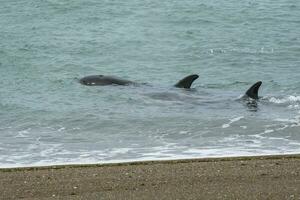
{"type": "Point", "coordinates": [261, 177]}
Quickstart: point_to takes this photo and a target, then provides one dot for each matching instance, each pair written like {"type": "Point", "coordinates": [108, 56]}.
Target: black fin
{"type": "Point", "coordinates": [187, 81]}
{"type": "Point", "coordinates": [252, 92]}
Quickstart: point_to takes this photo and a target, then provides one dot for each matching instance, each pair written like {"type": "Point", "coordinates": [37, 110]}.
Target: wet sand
{"type": "Point", "coordinates": [262, 177]}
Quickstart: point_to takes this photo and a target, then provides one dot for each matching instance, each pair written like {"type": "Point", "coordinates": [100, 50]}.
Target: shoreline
{"type": "Point", "coordinates": [146, 162]}
{"type": "Point", "coordinates": [245, 177]}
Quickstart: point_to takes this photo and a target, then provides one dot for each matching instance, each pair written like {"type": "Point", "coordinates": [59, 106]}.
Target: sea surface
{"type": "Point", "coordinates": [46, 46]}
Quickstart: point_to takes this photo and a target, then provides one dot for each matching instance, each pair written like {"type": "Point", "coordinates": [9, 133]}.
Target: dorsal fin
{"type": "Point", "coordinates": [186, 82]}
{"type": "Point", "coordinates": [252, 92]}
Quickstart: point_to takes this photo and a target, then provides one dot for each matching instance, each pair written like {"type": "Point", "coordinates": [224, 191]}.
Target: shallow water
{"type": "Point", "coordinates": [47, 117]}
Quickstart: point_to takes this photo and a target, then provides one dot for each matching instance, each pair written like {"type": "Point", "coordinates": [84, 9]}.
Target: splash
{"type": "Point", "coordinates": [289, 99]}
{"type": "Point", "coordinates": [232, 121]}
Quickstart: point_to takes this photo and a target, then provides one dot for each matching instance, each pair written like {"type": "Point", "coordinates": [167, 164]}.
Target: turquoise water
{"type": "Point", "coordinates": [47, 117]}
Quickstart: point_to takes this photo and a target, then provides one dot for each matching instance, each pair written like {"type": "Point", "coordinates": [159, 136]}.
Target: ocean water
{"type": "Point", "coordinates": [47, 117]}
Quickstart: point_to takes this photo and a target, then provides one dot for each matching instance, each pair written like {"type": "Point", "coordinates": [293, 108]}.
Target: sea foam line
{"type": "Point", "coordinates": [232, 121]}
{"type": "Point", "coordinates": [290, 98]}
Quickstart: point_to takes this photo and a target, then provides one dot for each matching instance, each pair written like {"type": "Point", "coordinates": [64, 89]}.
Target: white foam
{"type": "Point", "coordinates": [283, 120]}
{"type": "Point", "coordinates": [259, 136]}
{"type": "Point", "coordinates": [4, 128]}
{"type": "Point", "coordinates": [295, 125]}
{"type": "Point", "coordinates": [225, 125]}
{"type": "Point", "coordinates": [184, 133]}
{"type": "Point", "coordinates": [117, 151]}
{"type": "Point", "coordinates": [282, 128]}
{"type": "Point", "coordinates": [20, 135]}
{"type": "Point", "coordinates": [269, 131]}
{"type": "Point", "coordinates": [232, 121]}
{"type": "Point", "coordinates": [23, 133]}
{"type": "Point", "coordinates": [294, 122]}
{"type": "Point", "coordinates": [290, 98]}
{"type": "Point", "coordinates": [61, 129]}
{"type": "Point", "coordinates": [191, 153]}
{"type": "Point", "coordinates": [294, 106]}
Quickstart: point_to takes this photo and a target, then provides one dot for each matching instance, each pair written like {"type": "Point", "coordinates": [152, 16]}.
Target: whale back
{"type": "Point", "coordinates": [252, 92]}
{"type": "Point", "coordinates": [103, 80]}
{"type": "Point", "coordinates": [187, 81]}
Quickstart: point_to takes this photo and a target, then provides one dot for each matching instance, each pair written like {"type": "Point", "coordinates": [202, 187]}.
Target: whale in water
{"type": "Point", "coordinates": [102, 80]}
{"type": "Point", "coordinates": [186, 82]}
{"type": "Point", "coordinates": [252, 92]}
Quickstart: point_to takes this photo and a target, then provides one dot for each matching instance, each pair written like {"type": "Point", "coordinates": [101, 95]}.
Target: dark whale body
{"type": "Point", "coordinates": [251, 96]}
{"type": "Point", "coordinates": [186, 82]}
{"type": "Point", "coordinates": [252, 92]}
{"type": "Point", "coordinates": [102, 80]}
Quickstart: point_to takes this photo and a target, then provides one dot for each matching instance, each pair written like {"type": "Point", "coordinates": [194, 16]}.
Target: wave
{"type": "Point", "coordinates": [232, 121]}
{"type": "Point", "coordinates": [288, 99]}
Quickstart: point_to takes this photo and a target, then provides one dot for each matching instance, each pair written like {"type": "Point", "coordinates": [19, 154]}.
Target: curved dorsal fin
{"type": "Point", "coordinates": [186, 82]}
{"type": "Point", "coordinates": [252, 92]}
